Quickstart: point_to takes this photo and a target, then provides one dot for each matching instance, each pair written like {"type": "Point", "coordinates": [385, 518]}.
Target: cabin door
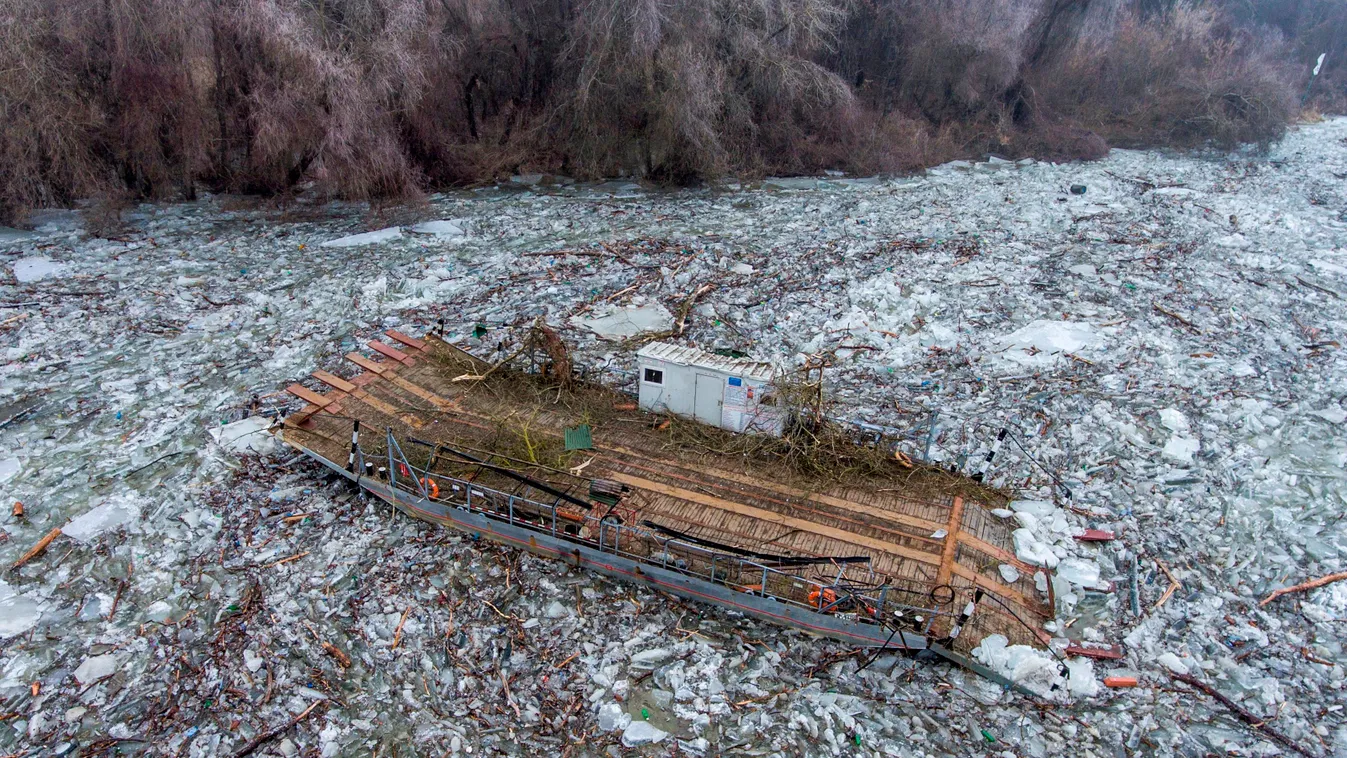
{"type": "Point", "coordinates": [710, 396]}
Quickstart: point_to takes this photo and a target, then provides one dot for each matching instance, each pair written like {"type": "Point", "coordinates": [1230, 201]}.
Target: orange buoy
{"type": "Point", "coordinates": [403, 470]}
{"type": "Point", "coordinates": [430, 484]}
{"type": "Point", "coordinates": [1120, 681]}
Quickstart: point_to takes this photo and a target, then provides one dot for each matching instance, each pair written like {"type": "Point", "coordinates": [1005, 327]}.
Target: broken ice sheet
{"type": "Point", "coordinates": [37, 268]}
{"type": "Point", "coordinates": [617, 322]}
{"type": "Point", "coordinates": [368, 238]}
{"type": "Point", "coordinates": [1041, 343]}
{"type": "Point", "coordinates": [18, 614]}
{"type": "Point", "coordinates": [102, 518]}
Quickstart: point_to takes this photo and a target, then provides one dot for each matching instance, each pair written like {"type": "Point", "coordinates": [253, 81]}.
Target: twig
{"type": "Point", "coordinates": [397, 635]}
{"type": "Point", "coordinates": [1325, 290]}
{"type": "Point", "coordinates": [294, 557]}
{"type": "Point", "coordinates": [35, 550]}
{"type": "Point", "coordinates": [1176, 317]}
{"type": "Point", "coordinates": [258, 741]}
{"type": "Point", "coordinates": [1174, 585]}
{"type": "Point", "coordinates": [1249, 718]}
{"type": "Point", "coordinates": [1303, 586]}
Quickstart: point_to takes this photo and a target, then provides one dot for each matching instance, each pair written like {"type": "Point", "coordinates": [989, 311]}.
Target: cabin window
{"type": "Point", "coordinates": [654, 376]}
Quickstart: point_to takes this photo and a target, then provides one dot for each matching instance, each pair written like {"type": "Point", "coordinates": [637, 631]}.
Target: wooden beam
{"type": "Point", "coordinates": [388, 351]}
{"type": "Point", "coordinates": [411, 342]}
{"type": "Point", "coordinates": [772, 517]}
{"type": "Point", "coordinates": [333, 381]}
{"type": "Point", "coordinates": [951, 542]}
{"type": "Point", "coordinates": [365, 363]}
{"type": "Point", "coordinates": [309, 396]}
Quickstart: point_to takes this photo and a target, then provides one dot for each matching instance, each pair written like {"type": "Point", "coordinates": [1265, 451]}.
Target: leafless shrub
{"type": "Point", "coordinates": [381, 98]}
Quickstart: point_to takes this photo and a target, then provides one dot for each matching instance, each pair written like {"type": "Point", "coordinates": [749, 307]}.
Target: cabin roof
{"type": "Point", "coordinates": [682, 355]}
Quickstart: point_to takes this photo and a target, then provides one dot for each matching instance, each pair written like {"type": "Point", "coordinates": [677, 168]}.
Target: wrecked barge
{"type": "Point", "coordinates": [805, 528]}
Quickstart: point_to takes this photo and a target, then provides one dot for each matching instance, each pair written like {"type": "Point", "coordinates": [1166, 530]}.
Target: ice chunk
{"type": "Point", "coordinates": [1085, 270]}
{"type": "Point", "coordinates": [252, 660]}
{"type": "Point", "coordinates": [1181, 450]}
{"type": "Point", "coordinates": [1079, 571]}
{"type": "Point", "coordinates": [101, 518]}
{"type": "Point", "coordinates": [18, 614]}
{"type": "Point", "coordinates": [1173, 420]}
{"type": "Point", "coordinates": [1009, 572]}
{"type": "Point", "coordinates": [742, 268]}
{"type": "Point", "coordinates": [557, 611]}
{"type": "Point", "coordinates": [648, 658]}
{"type": "Point", "coordinates": [1029, 549]}
{"type": "Point", "coordinates": [37, 268]}
{"type": "Point", "coordinates": [1080, 681]}
{"type": "Point", "coordinates": [1042, 342]}
{"type": "Point", "coordinates": [1172, 662]}
{"type": "Point", "coordinates": [368, 238]}
{"type": "Point", "coordinates": [9, 468]}
{"type": "Point", "coordinates": [642, 733]}
{"type": "Point", "coordinates": [443, 228]}
{"type": "Point", "coordinates": [616, 323]}
{"type": "Point", "coordinates": [96, 668]}
{"type": "Point", "coordinates": [613, 718]}
{"type": "Point", "coordinates": [1332, 415]}
{"type": "Point", "coordinates": [249, 434]}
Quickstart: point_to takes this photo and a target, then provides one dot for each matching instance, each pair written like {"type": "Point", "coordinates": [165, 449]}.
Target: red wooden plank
{"type": "Point", "coordinates": [1095, 535]}
{"type": "Point", "coordinates": [364, 363]}
{"type": "Point", "coordinates": [391, 352]}
{"type": "Point", "coordinates": [411, 342]}
{"type": "Point", "coordinates": [308, 396]}
{"type": "Point", "coordinates": [1110, 653]}
{"type": "Point", "coordinates": [334, 381]}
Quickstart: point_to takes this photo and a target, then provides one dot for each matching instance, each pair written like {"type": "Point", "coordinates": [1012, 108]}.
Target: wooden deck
{"type": "Point", "coordinates": [920, 530]}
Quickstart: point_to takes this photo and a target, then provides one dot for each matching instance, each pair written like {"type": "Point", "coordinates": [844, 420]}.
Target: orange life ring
{"type": "Point", "coordinates": [430, 484]}
{"type": "Point", "coordinates": [829, 597]}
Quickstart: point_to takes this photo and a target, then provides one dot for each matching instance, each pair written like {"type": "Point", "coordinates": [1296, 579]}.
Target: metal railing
{"type": "Point", "coordinates": [607, 535]}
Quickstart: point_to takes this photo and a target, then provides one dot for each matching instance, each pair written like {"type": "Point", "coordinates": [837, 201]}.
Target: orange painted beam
{"type": "Point", "coordinates": [411, 342]}
{"type": "Point", "coordinates": [333, 381]}
{"type": "Point", "coordinates": [390, 352]}
{"type": "Point", "coordinates": [365, 363]}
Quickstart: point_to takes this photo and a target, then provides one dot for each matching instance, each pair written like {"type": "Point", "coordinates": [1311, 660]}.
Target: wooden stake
{"type": "Point", "coordinates": [37, 549]}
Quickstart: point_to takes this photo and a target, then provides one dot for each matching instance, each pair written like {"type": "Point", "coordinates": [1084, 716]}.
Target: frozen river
{"type": "Point", "coordinates": [1166, 345]}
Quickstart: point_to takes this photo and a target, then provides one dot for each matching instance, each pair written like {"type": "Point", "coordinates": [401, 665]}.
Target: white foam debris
{"type": "Point", "coordinates": [37, 268]}
{"type": "Point", "coordinates": [615, 322]}
{"type": "Point", "coordinates": [379, 237]}
{"type": "Point", "coordinates": [102, 518]}
{"type": "Point", "coordinates": [95, 668]}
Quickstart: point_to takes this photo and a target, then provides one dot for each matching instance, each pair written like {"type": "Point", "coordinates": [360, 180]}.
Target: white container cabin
{"type": "Point", "coordinates": [730, 393]}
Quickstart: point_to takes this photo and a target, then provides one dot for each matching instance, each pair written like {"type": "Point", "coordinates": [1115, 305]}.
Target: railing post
{"type": "Point", "coordinates": [511, 508]}
{"type": "Point", "coordinates": [764, 581]}
{"type": "Point", "coordinates": [392, 469]}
